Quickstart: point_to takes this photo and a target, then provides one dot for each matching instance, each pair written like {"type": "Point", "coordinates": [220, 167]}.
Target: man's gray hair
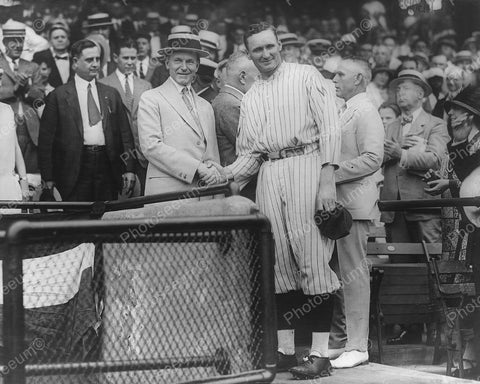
{"type": "Point", "coordinates": [234, 59]}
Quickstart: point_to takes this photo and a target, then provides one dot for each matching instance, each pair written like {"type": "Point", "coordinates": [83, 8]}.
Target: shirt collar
{"type": "Point", "coordinates": [236, 89]}
{"type": "Point", "coordinates": [58, 54]}
{"type": "Point", "coordinates": [416, 113]}
{"type": "Point", "coordinates": [357, 99]}
{"type": "Point", "coordinates": [84, 83]}
{"type": "Point", "coordinates": [121, 75]}
{"type": "Point", "coordinates": [180, 87]}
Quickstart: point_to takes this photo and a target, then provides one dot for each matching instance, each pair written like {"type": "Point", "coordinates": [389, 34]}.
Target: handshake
{"type": "Point", "coordinates": [211, 172]}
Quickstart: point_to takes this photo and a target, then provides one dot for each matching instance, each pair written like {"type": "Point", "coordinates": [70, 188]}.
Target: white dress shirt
{"type": "Point", "coordinates": [144, 63]}
{"type": "Point", "coordinates": [121, 76]}
{"type": "Point", "coordinates": [91, 135]}
{"type": "Point", "coordinates": [62, 65]}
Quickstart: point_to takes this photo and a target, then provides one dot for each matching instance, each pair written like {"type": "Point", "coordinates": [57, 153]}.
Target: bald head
{"type": "Point", "coordinates": [352, 77]}
{"type": "Point", "coordinates": [240, 71]}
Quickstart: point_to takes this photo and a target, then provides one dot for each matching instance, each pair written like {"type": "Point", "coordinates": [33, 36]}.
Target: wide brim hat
{"type": "Point", "coordinates": [290, 39]}
{"type": "Point", "coordinates": [183, 42]}
{"type": "Point", "coordinates": [413, 76]}
{"type": "Point", "coordinates": [468, 99]}
{"type": "Point", "coordinates": [99, 20]}
{"type": "Point", "coordinates": [463, 55]}
{"type": "Point", "coordinates": [209, 39]}
{"type": "Point", "coordinates": [207, 67]}
{"type": "Point", "coordinates": [13, 29]}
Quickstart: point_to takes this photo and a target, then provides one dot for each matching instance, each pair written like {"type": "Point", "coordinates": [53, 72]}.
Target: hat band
{"type": "Point", "coordinates": [208, 44]}
{"type": "Point", "coordinates": [14, 33]}
{"type": "Point", "coordinates": [103, 20]}
{"type": "Point", "coordinates": [466, 106]}
{"type": "Point", "coordinates": [179, 43]}
{"type": "Point", "coordinates": [290, 40]}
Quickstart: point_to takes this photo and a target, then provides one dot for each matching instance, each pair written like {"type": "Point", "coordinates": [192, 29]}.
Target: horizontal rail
{"type": "Point", "coordinates": [134, 202]}
{"type": "Point", "coordinates": [401, 205]}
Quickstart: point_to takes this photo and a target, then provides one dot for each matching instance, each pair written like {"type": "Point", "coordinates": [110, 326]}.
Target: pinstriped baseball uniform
{"type": "Point", "coordinates": [295, 106]}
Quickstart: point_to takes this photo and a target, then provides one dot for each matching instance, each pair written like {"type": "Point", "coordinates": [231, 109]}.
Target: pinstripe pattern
{"type": "Point", "coordinates": [295, 106]}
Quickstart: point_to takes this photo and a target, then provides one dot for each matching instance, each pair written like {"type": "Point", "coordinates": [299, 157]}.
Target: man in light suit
{"type": "Point", "coordinates": [240, 76]}
{"type": "Point", "coordinates": [130, 88]}
{"type": "Point", "coordinates": [414, 143]}
{"type": "Point", "coordinates": [83, 134]}
{"type": "Point", "coordinates": [21, 85]}
{"type": "Point", "coordinates": [176, 128]}
{"type": "Point", "coordinates": [357, 181]}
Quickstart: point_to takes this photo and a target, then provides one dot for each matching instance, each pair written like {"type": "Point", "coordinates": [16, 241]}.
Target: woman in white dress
{"type": "Point", "coordinates": [11, 186]}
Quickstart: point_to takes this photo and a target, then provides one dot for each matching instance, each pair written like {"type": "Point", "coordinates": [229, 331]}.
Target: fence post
{"type": "Point", "coordinates": [13, 315]}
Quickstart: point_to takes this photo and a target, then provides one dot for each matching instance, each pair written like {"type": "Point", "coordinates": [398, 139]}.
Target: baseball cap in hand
{"type": "Point", "coordinates": [334, 224]}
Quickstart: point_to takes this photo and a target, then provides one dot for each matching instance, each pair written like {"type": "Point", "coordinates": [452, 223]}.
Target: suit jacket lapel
{"type": "Point", "coordinates": [6, 67]}
{"type": "Point", "coordinates": [118, 85]}
{"type": "Point", "coordinates": [172, 96]}
{"type": "Point", "coordinates": [72, 100]}
{"type": "Point", "coordinates": [418, 125]}
{"type": "Point", "coordinates": [137, 92]}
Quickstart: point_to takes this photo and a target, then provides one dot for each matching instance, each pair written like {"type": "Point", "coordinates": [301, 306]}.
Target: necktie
{"type": "Point", "coordinates": [61, 57]}
{"type": "Point", "coordinates": [142, 74]}
{"type": "Point", "coordinates": [93, 113]}
{"type": "Point", "coordinates": [406, 119]}
{"type": "Point", "coordinates": [190, 107]}
{"type": "Point", "coordinates": [128, 94]}
{"type": "Point", "coordinates": [15, 65]}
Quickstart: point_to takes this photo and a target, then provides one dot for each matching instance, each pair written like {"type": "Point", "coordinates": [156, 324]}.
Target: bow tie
{"type": "Point", "coordinates": [406, 119]}
{"type": "Point", "coordinates": [61, 57]}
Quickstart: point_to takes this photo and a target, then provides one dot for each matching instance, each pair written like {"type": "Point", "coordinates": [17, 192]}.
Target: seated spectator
{"type": "Point", "coordinates": [388, 113]}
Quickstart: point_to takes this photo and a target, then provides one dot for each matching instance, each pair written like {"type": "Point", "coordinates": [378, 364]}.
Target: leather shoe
{"type": "Point", "coordinates": [312, 368]}
{"type": "Point", "coordinates": [406, 337]}
{"type": "Point", "coordinates": [285, 362]}
{"type": "Point", "coordinates": [350, 359]}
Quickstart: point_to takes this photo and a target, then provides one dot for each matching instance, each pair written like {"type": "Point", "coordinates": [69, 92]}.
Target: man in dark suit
{"type": "Point", "coordinates": [240, 75]}
{"type": "Point", "coordinates": [149, 68]}
{"type": "Point", "coordinates": [130, 88]}
{"type": "Point", "coordinates": [84, 132]}
{"type": "Point", "coordinates": [57, 56]}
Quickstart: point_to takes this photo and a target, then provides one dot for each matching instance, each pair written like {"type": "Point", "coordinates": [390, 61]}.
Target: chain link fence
{"type": "Point", "coordinates": [126, 301]}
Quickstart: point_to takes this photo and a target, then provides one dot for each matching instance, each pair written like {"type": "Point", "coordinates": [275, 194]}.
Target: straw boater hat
{"type": "Point", "coordinates": [181, 29]}
{"type": "Point", "coordinates": [209, 39]}
{"type": "Point", "coordinates": [413, 76]}
{"type": "Point", "coordinates": [290, 39]}
{"type": "Point", "coordinates": [183, 42]}
{"type": "Point", "coordinates": [13, 29]}
{"type": "Point", "coordinates": [99, 20]}
{"type": "Point", "coordinates": [207, 67]}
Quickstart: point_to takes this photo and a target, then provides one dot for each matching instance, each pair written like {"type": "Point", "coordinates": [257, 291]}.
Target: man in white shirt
{"type": "Point", "coordinates": [130, 88]}
{"type": "Point", "coordinates": [84, 133]}
{"type": "Point", "coordinates": [357, 190]}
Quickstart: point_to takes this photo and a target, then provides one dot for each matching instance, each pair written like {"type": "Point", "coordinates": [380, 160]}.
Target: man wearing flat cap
{"type": "Point", "coordinates": [176, 128]}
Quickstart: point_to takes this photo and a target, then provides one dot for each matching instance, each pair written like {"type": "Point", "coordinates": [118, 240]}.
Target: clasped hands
{"type": "Point", "coordinates": [211, 172]}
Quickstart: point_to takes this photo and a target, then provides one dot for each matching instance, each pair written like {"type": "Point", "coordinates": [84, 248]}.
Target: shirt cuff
{"type": "Point", "coordinates": [403, 159]}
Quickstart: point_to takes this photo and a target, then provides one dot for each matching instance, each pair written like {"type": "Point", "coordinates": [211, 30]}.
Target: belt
{"type": "Point", "coordinates": [95, 148]}
{"type": "Point", "coordinates": [290, 152]}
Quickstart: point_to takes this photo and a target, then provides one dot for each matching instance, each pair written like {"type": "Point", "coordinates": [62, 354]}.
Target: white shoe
{"type": "Point", "coordinates": [350, 359]}
{"type": "Point", "coordinates": [335, 353]}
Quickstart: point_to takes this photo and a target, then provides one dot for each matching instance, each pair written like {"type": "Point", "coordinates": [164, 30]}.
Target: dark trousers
{"type": "Point", "coordinates": [96, 181]}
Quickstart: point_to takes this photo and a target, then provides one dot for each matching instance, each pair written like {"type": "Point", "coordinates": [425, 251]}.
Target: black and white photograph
{"type": "Point", "coordinates": [239, 191]}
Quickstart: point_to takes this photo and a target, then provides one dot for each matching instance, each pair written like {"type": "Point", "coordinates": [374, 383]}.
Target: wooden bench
{"type": "Point", "coordinates": [401, 292]}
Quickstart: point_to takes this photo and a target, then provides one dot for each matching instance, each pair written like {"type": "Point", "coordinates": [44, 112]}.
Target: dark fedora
{"type": "Point", "coordinates": [183, 42]}
{"type": "Point", "coordinates": [99, 20]}
{"type": "Point", "coordinates": [413, 76]}
{"type": "Point", "coordinates": [334, 224]}
{"type": "Point", "coordinates": [468, 99]}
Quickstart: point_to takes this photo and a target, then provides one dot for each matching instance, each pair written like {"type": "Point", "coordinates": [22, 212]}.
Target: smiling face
{"type": "Point", "coordinates": [264, 50]}
{"type": "Point", "coordinates": [183, 66]}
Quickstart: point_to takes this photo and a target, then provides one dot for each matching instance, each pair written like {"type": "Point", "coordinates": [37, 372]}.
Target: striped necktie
{"type": "Point", "coordinates": [128, 94]}
{"type": "Point", "coordinates": [191, 108]}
